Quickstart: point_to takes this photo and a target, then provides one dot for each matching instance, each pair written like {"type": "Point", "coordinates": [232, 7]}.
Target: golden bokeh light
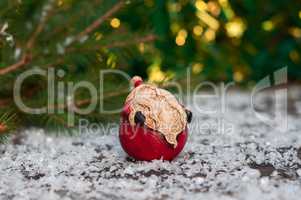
{"type": "Point", "coordinates": [238, 76]}
{"type": "Point", "coordinates": [180, 40]}
{"type": "Point", "coordinates": [208, 19]}
{"type": "Point", "coordinates": [98, 36]}
{"type": "Point", "coordinates": [235, 28]}
{"type": "Point", "coordinates": [214, 8]}
{"type": "Point", "coordinates": [115, 23]}
{"type": "Point", "coordinates": [295, 32]}
{"type": "Point", "coordinates": [197, 30]}
{"type": "Point", "coordinates": [181, 37]}
{"type": "Point", "coordinates": [294, 56]}
{"type": "Point", "coordinates": [182, 33]}
{"type": "Point", "coordinates": [209, 35]}
{"type": "Point", "coordinates": [200, 5]}
{"type": "Point", "coordinates": [268, 25]}
{"type": "Point", "coordinates": [299, 14]}
{"type": "Point", "coordinates": [156, 74]}
{"type": "Point", "coordinates": [60, 3]}
{"type": "Point", "coordinates": [197, 68]}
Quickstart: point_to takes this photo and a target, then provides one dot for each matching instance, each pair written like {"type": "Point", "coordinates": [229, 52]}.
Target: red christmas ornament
{"type": "Point", "coordinates": [153, 123]}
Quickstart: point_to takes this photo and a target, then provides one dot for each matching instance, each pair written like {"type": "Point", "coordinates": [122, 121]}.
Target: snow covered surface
{"type": "Point", "coordinates": [251, 160]}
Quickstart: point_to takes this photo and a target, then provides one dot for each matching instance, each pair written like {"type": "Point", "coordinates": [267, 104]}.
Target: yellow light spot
{"type": "Point", "coordinates": [197, 68]}
{"type": "Point", "coordinates": [197, 30]}
{"type": "Point", "coordinates": [214, 8]}
{"type": "Point", "coordinates": [294, 55]}
{"type": "Point", "coordinates": [175, 27]}
{"type": "Point", "coordinates": [295, 31]}
{"type": "Point", "coordinates": [208, 19]}
{"type": "Point", "coordinates": [141, 47]}
{"type": "Point", "coordinates": [238, 76]}
{"type": "Point", "coordinates": [60, 3]}
{"type": "Point", "coordinates": [300, 14]}
{"type": "Point", "coordinates": [235, 28]}
{"type": "Point", "coordinates": [268, 25]}
{"type": "Point", "coordinates": [209, 35]}
{"type": "Point", "coordinates": [98, 36]}
{"type": "Point", "coordinates": [182, 33]}
{"type": "Point", "coordinates": [181, 37]}
{"type": "Point", "coordinates": [115, 23]}
{"type": "Point", "coordinates": [111, 61]}
{"type": "Point", "coordinates": [156, 74]}
{"type": "Point", "coordinates": [180, 40]}
{"type": "Point", "coordinates": [200, 5]}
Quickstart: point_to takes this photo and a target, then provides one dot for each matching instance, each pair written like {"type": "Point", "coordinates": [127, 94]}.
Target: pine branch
{"type": "Point", "coordinates": [27, 57]}
{"type": "Point", "coordinates": [144, 39]}
{"type": "Point", "coordinates": [61, 29]}
{"type": "Point", "coordinates": [148, 38]}
{"type": "Point", "coordinates": [7, 123]}
{"type": "Point", "coordinates": [84, 102]}
{"type": "Point", "coordinates": [40, 27]}
{"type": "Point", "coordinates": [100, 20]}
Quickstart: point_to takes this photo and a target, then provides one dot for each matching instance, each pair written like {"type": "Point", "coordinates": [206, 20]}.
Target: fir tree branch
{"type": "Point", "coordinates": [144, 39]}
{"type": "Point", "coordinates": [27, 56]}
{"type": "Point", "coordinates": [84, 102]}
{"type": "Point", "coordinates": [40, 27]}
{"type": "Point", "coordinates": [99, 21]}
{"type": "Point", "coordinates": [62, 28]}
{"type": "Point", "coordinates": [7, 123]}
{"type": "Point", "coordinates": [148, 38]}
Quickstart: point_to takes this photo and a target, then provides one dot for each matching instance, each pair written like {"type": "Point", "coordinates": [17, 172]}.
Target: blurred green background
{"type": "Point", "coordinates": [217, 40]}
{"type": "Point", "coordinates": [242, 40]}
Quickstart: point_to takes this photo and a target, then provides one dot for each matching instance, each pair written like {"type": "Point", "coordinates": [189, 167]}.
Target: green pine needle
{"type": "Point", "coordinates": [8, 120]}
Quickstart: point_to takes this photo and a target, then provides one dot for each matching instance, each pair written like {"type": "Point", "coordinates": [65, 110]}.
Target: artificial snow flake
{"type": "Point", "coordinates": [60, 49]}
{"type": "Point", "coordinates": [7, 36]}
{"type": "Point", "coordinates": [68, 41]}
{"type": "Point", "coordinates": [17, 54]}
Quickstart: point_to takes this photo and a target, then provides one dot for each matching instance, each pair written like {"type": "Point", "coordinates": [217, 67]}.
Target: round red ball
{"type": "Point", "coordinates": [142, 143]}
{"type": "Point", "coordinates": [141, 139]}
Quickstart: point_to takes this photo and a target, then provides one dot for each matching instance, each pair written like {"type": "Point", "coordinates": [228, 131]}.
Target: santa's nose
{"type": "Point", "coordinates": [139, 118]}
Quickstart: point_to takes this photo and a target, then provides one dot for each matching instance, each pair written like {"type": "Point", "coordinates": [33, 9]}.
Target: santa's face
{"type": "Point", "coordinates": [159, 110]}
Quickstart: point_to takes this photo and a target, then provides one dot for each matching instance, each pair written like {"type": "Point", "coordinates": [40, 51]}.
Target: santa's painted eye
{"type": "Point", "coordinates": [139, 118]}
{"type": "Point", "coordinates": [189, 115]}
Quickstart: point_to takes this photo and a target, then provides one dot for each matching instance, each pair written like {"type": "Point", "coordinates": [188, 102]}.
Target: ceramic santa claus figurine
{"type": "Point", "coordinates": [153, 123]}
